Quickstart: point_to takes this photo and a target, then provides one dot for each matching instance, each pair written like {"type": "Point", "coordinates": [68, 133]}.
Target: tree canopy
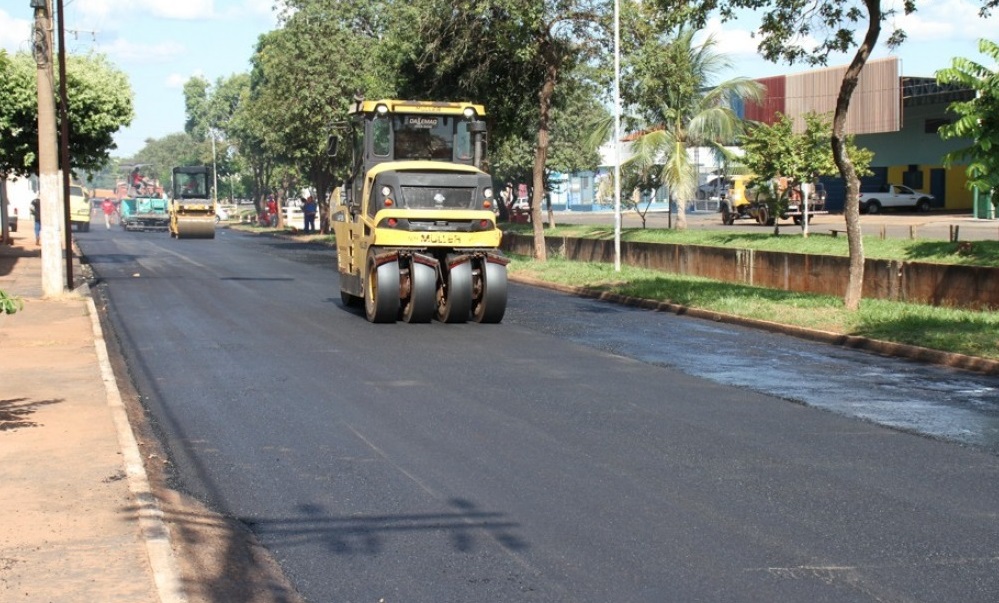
{"type": "Point", "coordinates": [978, 119]}
{"type": "Point", "coordinates": [99, 104]}
{"type": "Point", "coordinates": [776, 152]}
{"type": "Point", "coordinates": [794, 31]}
{"type": "Point", "coordinates": [684, 108]}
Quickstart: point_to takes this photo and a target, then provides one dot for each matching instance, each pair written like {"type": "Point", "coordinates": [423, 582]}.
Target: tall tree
{"type": "Point", "coordinates": [161, 155]}
{"type": "Point", "coordinates": [978, 119]}
{"type": "Point", "coordinates": [297, 91]}
{"type": "Point", "coordinates": [516, 56]}
{"type": "Point", "coordinates": [100, 103]}
{"type": "Point", "coordinates": [210, 109]}
{"type": "Point", "coordinates": [196, 107]}
{"type": "Point", "coordinates": [776, 152]}
{"type": "Point", "coordinates": [683, 108]}
{"type": "Point", "coordinates": [795, 31]}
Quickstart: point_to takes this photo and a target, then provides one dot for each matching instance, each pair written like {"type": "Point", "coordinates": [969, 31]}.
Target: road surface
{"type": "Point", "coordinates": [579, 451]}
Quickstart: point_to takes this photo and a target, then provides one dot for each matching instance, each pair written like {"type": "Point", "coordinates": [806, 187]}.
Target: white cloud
{"type": "Point", "coordinates": [100, 10]}
{"type": "Point", "coordinates": [730, 41]}
{"type": "Point", "coordinates": [261, 7]}
{"type": "Point", "coordinates": [15, 34]}
{"type": "Point", "coordinates": [176, 80]}
{"type": "Point", "coordinates": [944, 21]}
{"type": "Point", "coordinates": [187, 10]}
{"type": "Point", "coordinates": [124, 50]}
{"type": "Point", "coordinates": [104, 11]}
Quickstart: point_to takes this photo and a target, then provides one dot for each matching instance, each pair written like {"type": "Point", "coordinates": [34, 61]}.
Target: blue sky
{"type": "Point", "coordinates": [160, 44]}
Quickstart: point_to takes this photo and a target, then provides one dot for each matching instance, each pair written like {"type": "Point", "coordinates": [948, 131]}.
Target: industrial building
{"type": "Point", "coordinates": [895, 116]}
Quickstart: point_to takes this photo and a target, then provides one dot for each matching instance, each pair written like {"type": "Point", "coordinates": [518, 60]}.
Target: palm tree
{"type": "Point", "coordinates": [676, 97]}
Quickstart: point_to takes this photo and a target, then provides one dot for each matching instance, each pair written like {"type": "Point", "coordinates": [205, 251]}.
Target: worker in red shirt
{"type": "Point", "coordinates": [107, 206]}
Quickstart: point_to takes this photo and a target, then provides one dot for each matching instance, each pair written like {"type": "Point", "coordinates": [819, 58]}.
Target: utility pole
{"type": "Point", "coordinates": [48, 165]}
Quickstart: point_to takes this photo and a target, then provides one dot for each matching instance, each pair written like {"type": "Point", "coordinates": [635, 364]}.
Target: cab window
{"type": "Point", "coordinates": [380, 131]}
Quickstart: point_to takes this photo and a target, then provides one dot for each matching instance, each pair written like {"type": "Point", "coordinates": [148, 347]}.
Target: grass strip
{"type": "Point", "coordinates": [939, 328]}
{"type": "Point", "coordinates": [978, 253]}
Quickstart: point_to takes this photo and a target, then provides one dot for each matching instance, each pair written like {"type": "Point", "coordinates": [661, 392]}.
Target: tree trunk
{"type": "Point", "coordinates": [4, 234]}
{"type": "Point", "coordinates": [681, 204]}
{"type": "Point", "coordinates": [541, 158]}
{"type": "Point", "coordinates": [855, 284]}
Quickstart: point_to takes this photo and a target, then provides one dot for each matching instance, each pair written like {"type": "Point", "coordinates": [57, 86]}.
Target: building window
{"type": "Point", "coordinates": [913, 177]}
{"type": "Point", "coordinates": [934, 124]}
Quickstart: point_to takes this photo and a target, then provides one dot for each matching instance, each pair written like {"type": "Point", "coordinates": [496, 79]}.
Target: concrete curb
{"type": "Point", "coordinates": [973, 364]}
{"type": "Point", "coordinates": [885, 348]}
{"type": "Point", "coordinates": [155, 533]}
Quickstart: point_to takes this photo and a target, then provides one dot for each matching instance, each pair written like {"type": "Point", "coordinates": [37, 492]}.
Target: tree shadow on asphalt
{"type": "Point", "coordinates": [466, 526]}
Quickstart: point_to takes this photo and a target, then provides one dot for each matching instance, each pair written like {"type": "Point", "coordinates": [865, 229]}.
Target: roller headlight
{"type": "Point", "coordinates": [488, 192]}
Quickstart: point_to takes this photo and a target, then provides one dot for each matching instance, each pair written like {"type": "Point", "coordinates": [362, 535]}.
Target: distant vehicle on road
{"type": "Point", "coordinates": [79, 208]}
{"type": "Point", "coordinates": [144, 213]}
{"type": "Point", "coordinates": [873, 200]}
{"type": "Point", "coordinates": [714, 188]}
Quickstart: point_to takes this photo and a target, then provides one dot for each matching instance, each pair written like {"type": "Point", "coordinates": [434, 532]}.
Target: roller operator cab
{"type": "Point", "coordinates": [192, 204]}
{"type": "Point", "coordinates": [415, 230]}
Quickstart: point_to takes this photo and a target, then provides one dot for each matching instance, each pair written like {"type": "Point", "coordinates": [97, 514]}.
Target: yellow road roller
{"type": "Point", "coordinates": [192, 208]}
{"type": "Point", "coordinates": [416, 233]}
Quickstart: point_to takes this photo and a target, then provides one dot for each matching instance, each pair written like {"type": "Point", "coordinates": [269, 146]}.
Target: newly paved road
{"type": "Point", "coordinates": [570, 453]}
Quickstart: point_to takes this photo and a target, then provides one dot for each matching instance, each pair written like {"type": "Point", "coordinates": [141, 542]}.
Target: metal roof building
{"type": "Point", "coordinates": [894, 116]}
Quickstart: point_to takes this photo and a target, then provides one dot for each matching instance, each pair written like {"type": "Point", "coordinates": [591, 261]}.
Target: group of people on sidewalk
{"type": "Point", "coordinates": [309, 209]}
{"type": "Point", "coordinates": [268, 214]}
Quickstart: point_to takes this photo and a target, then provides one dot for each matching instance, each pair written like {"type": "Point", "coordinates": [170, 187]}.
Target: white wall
{"type": "Point", "coordinates": [20, 192]}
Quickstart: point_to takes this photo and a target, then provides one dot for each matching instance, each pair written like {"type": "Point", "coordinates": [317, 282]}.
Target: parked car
{"type": "Point", "coordinates": [79, 208]}
{"type": "Point", "coordinates": [873, 200]}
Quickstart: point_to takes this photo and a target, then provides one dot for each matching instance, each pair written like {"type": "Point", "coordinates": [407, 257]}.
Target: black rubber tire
{"type": "Point", "coordinates": [454, 302]}
{"type": "Point", "coordinates": [872, 208]}
{"type": "Point", "coordinates": [422, 302]}
{"type": "Point", "coordinates": [923, 205]}
{"type": "Point", "coordinates": [381, 292]}
{"type": "Point", "coordinates": [491, 304]}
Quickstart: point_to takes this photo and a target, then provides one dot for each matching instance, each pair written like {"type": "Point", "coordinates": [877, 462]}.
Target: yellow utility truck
{"type": "Point", "coordinates": [416, 233]}
{"type": "Point", "coordinates": [79, 208]}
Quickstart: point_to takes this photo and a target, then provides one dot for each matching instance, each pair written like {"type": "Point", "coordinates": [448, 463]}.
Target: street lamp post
{"type": "Point", "coordinates": [215, 176]}
{"type": "Point", "coordinates": [617, 136]}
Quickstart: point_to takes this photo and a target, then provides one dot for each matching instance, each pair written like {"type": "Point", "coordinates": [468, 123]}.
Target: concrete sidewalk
{"type": "Point", "coordinates": [79, 520]}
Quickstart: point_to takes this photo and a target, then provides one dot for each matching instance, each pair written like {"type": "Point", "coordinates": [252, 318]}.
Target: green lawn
{"type": "Point", "coordinates": [982, 253]}
{"type": "Point", "coordinates": [946, 329]}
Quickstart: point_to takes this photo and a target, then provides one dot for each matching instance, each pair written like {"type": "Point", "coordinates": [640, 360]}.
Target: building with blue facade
{"type": "Point", "coordinates": [896, 117]}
